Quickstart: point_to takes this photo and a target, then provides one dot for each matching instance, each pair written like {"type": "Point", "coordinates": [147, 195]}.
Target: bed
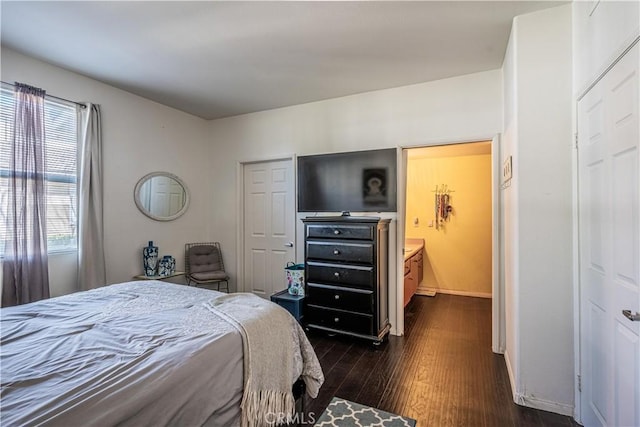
{"type": "Point", "coordinates": [134, 354]}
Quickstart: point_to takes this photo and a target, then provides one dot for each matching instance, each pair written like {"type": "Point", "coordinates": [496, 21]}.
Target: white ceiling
{"type": "Point", "coordinates": [216, 59]}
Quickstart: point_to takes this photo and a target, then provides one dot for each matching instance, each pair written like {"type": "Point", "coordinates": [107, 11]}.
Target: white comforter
{"type": "Point", "coordinates": [132, 354]}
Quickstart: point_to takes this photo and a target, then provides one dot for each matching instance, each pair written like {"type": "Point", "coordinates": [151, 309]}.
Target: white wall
{"type": "Point", "coordinates": [538, 210]}
{"type": "Point", "coordinates": [139, 136]}
{"type": "Point", "coordinates": [509, 210]}
{"type": "Point", "coordinates": [461, 108]}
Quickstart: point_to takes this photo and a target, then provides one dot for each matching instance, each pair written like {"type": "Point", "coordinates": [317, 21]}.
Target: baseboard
{"type": "Point", "coordinates": [431, 291]}
{"type": "Point", "coordinates": [534, 402]}
{"type": "Point", "coordinates": [425, 292]}
{"type": "Point", "coordinates": [545, 405]}
{"type": "Point", "coordinates": [512, 380]}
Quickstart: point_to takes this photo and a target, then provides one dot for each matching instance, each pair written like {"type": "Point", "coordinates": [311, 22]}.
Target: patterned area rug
{"type": "Point", "coordinates": [343, 413]}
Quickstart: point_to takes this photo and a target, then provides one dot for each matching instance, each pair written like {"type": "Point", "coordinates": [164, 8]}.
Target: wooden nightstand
{"type": "Point", "coordinates": [292, 303]}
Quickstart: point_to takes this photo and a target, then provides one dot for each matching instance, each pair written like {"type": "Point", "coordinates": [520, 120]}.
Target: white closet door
{"type": "Point", "coordinates": [609, 182]}
{"type": "Point", "coordinates": [269, 220]}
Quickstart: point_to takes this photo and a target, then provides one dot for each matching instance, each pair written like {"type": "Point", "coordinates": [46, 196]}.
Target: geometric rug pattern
{"type": "Point", "coordinates": [344, 413]}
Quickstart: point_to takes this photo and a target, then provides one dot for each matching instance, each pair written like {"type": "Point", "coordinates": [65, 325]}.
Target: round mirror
{"type": "Point", "coordinates": [161, 196]}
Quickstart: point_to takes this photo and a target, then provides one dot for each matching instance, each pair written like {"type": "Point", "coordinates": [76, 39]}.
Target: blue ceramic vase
{"type": "Point", "coordinates": [150, 259]}
{"type": "Point", "coordinates": [166, 266]}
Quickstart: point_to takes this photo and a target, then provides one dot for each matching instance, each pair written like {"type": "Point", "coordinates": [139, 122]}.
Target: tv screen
{"type": "Point", "coordinates": [357, 181]}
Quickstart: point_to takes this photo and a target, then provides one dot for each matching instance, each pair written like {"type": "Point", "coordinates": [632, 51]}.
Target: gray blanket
{"type": "Point", "coordinates": [134, 354]}
{"type": "Point", "coordinates": [276, 352]}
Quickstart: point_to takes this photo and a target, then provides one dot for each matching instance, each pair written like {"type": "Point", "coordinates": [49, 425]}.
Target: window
{"type": "Point", "coordinates": [61, 169]}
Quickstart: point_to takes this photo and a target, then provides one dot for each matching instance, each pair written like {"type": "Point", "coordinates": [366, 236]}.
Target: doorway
{"type": "Point", "coordinates": [268, 225]}
{"type": "Point", "coordinates": [460, 237]}
{"type": "Point", "coordinates": [448, 213]}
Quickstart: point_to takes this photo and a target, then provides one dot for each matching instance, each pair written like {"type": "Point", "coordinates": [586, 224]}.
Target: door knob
{"type": "Point", "coordinates": [289, 244]}
{"type": "Point", "coordinates": [633, 317]}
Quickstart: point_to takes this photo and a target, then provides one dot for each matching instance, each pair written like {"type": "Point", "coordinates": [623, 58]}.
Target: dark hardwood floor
{"type": "Point", "coordinates": [441, 373]}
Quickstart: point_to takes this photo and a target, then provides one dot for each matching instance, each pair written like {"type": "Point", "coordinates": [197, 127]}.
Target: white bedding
{"type": "Point", "coordinates": [133, 354]}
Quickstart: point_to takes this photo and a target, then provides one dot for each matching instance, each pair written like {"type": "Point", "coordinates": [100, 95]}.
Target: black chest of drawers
{"type": "Point", "coordinates": [346, 270]}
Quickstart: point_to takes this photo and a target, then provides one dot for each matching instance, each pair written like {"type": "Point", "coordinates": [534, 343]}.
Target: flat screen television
{"type": "Point", "coordinates": [356, 181]}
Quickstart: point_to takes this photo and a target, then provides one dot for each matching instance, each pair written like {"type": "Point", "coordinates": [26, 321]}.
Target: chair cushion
{"type": "Point", "coordinates": [210, 275]}
{"type": "Point", "coordinates": [204, 258]}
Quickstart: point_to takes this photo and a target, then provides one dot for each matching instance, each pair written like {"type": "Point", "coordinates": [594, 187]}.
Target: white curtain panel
{"type": "Point", "coordinates": [91, 260]}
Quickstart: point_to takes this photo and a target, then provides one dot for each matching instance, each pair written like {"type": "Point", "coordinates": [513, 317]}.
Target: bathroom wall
{"type": "Point", "coordinates": [457, 254]}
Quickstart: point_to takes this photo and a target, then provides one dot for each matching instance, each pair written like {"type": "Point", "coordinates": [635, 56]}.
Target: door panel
{"type": "Point", "coordinates": [609, 195]}
{"type": "Point", "coordinates": [278, 219]}
{"type": "Point", "coordinates": [596, 197]}
{"type": "Point", "coordinates": [625, 195]}
{"type": "Point", "coordinates": [278, 259]}
{"type": "Point", "coordinates": [269, 214]}
{"type": "Point", "coordinates": [257, 264]}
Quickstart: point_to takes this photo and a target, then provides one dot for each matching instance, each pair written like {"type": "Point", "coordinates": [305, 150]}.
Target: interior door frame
{"type": "Point", "coordinates": [498, 331]}
{"type": "Point", "coordinates": [240, 232]}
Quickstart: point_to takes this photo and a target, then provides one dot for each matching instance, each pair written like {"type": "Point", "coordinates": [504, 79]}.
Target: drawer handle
{"type": "Point", "coordinates": [336, 274]}
{"type": "Point", "coordinates": [337, 296]}
{"type": "Point", "coordinates": [336, 252]}
{"type": "Point", "coordinates": [336, 319]}
{"type": "Point", "coordinates": [336, 232]}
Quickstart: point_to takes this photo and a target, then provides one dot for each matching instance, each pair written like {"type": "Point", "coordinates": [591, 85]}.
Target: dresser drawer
{"type": "Point", "coordinates": [341, 231]}
{"type": "Point", "coordinates": [344, 275]}
{"type": "Point", "coordinates": [339, 251]}
{"type": "Point", "coordinates": [339, 319]}
{"type": "Point", "coordinates": [345, 299]}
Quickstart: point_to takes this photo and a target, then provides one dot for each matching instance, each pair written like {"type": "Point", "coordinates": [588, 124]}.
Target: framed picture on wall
{"type": "Point", "coordinates": [507, 171]}
{"type": "Point", "coordinates": [374, 186]}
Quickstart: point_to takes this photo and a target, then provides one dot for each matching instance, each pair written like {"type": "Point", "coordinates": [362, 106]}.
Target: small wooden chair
{"type": "Point", "coordinates": [203, 264]}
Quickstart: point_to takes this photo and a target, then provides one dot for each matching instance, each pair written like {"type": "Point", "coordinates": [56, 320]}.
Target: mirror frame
{"type": "Point", "coordinates": [141, 208]}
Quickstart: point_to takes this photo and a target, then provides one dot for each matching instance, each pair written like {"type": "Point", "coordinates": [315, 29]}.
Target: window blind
{"type": "Point", "coordinates": [61, 153]}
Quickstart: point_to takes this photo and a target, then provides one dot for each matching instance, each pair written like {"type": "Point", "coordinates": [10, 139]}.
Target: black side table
{"type": "Point", "coordinates": [292, 303]}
